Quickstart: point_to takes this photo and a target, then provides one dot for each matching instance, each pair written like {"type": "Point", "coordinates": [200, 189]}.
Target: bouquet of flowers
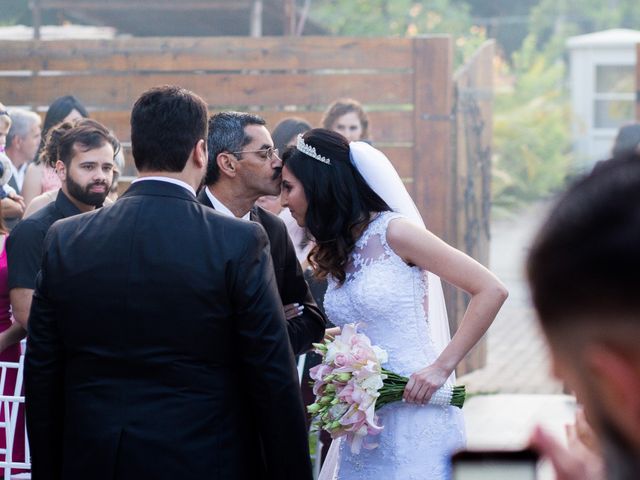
{"type": "Point", "coordinates": [350, 385]}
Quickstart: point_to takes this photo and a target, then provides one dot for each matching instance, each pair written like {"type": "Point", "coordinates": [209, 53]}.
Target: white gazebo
{"type": "Point", "coordinates": [602, 90]}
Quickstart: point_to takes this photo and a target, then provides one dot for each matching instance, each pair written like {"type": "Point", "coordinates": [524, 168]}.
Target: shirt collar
{"type": "Point", "coordinates": [18, 173]}
{"type": "Point", "coordinates": [220, 207]}
{"type": "Point", "coordinates": [175, 181]}
{"type": "Point", "coordinates": [66, 206]}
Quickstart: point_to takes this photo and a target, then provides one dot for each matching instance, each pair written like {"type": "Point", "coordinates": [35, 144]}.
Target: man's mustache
{"type": "Point", "coordinates": [277, 173]}
{"type": "Point", "coordinates": [95, 184]}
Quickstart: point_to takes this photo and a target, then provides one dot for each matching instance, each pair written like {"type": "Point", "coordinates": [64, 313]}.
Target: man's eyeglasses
{"type": "Point", "coordinates": [266, 153]}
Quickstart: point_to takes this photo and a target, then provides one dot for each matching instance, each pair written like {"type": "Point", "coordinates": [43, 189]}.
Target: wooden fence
{"type": "Point", "coordinates": [638, 82]}
{"type": "Point", "coordinates": [419, 116]}
{"type": "Point", "coordinates": [471, 170]}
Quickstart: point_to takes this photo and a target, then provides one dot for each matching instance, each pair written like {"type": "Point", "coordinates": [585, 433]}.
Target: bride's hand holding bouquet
{"type": "Point", "coordinates": [424, 383]}
{"type": "Point", "coordinates": [350, 386]}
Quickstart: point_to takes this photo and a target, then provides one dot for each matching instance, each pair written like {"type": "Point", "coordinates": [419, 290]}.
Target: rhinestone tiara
{"type": "Point", "coordinates": [310, 151]}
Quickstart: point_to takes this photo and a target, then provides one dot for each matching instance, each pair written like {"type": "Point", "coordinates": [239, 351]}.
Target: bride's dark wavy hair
{"type": "Point", "coordinates": [340, 202]}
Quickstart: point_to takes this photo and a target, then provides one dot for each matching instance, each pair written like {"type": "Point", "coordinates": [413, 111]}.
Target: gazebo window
{"type": "Point", "coordinates": [614, 96]}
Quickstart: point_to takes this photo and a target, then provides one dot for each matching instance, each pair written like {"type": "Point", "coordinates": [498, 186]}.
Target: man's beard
{"type": "Point", "coordinates": [84, 194]}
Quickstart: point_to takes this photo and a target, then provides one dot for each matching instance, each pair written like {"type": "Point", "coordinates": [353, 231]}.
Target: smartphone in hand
{"type": "Point", "coordinates": [495, 465]}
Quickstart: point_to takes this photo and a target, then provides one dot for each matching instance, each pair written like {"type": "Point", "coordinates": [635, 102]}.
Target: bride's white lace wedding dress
{"type": "Point", "coordinates": [388, 298]}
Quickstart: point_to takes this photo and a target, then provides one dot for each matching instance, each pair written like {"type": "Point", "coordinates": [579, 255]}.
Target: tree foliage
{"type": "Point", "coordinates": [13, 12]}
{"type": "Point", "coordinates": [553, 21]}
{"type": "Point", "coordinates": [404, 18]}
{"type": "Point", "coordinates": [531, 129]}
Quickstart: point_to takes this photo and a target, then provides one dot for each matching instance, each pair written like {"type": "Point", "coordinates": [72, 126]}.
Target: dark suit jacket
{"type": "Point", "coordinates": [157, 348]}
{"type": "Point", "coordinates": [293, 288]}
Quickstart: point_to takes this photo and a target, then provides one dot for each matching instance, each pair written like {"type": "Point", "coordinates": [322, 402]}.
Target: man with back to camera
{"type": "Point", "coordinates": [157, 344]}
{"type": "Point", "coordinates": [584, 275]}
{"type": "Point", "coordinates": [243, 166]}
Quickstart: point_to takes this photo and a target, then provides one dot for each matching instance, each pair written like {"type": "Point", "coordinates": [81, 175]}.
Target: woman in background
{"type": "Point", "coordinates": [40, 177]}
{"type": "Point", "coordinates": [347, 117]}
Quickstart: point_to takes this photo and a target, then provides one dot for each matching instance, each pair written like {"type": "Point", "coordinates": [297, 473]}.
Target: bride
{"type": "Point", "coordinates": [382, 267]}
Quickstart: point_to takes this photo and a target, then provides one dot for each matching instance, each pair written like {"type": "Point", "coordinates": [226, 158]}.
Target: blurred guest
{"type": "Point", "coordinates": [244, 165]}
{"type": "Point", "coordinates": [583, 271]}
{"type": "Point", "coordinates": [627, 141]}
{"type": "Point", "coordinates": [270, 203]}
{"type": "Point", "coordinates": [347, 117]}
{"type": "Point", "coordinates": [41, 177]}
{"type": "Point", "coordinates": [83, 155]}
{"type": "Point", "coordinates": [22, 145]}
{"type": "Point", "coordinates": [23, 141]}
{"type": "Point", "coordinates": [117, 173]}
{"type": "Point", "coordinates": [10, 335]}
{"type": "Point", "coordinates": [12, 204]}
{"type": "Point", "coordinates": [286, 132]}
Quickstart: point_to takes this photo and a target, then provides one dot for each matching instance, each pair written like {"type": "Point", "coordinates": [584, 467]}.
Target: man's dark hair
{"type": "Point", "coordinates": [226, 134]}
{"type": "Point", "coordinates": [585, 262]}
{"type": "Point", "coordinates": [84, 134]}
{"type": "Point", "coordinates": [166, 124]}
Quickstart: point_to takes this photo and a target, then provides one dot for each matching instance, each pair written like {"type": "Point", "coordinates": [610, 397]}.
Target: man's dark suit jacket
{"type": "Point", "coordinates": [158, 349]}
{"type": "Point", "coordinates": [308, 327]}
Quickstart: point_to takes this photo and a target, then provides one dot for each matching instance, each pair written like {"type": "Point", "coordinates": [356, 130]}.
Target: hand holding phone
{"type": "Point", "coordinates": [495, 465]}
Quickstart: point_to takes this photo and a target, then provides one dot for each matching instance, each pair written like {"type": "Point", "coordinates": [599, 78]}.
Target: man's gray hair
{"type": "Point", "coordinates": [21, 122]}
{"type": "Point", "coordinates": [226, 134]}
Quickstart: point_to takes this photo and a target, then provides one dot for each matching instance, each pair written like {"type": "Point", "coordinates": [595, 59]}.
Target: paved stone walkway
{"type": "Point", "coordinates": [517, 358]}
{"type": "Point", "coordinates": [517, 374]}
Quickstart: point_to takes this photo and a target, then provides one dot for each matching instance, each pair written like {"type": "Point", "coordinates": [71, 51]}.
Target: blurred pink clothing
{"type": "Point", "coordinates": [11, 354]}
{"type": "Point", "coordinates": [50, 179]}
{"type": "Point", "coordinates": [301, 241]}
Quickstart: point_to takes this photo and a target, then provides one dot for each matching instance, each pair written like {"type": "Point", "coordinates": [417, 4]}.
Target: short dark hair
{"type": "Point", "coordinates": [286, 130]}
{"type": "Point", "coordinates": [85, 134]}
{"type": "Point", "coordinates": [585, 260]}
{"type": "Point", "coordinates": [226, 134]}
{"type": "Point", "coordinates": [339, 200]}
{"type": "Point", "coordinates": [166, 124]}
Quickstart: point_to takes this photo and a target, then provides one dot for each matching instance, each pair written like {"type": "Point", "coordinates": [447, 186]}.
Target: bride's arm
{"type": "Point", "coordinates": [418, 246]}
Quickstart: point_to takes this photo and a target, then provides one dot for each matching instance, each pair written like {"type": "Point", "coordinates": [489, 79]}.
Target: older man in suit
{"type": "Point", "coordinates": [157, 340]}
{"type": "Point", "coordinates": [243, 165]}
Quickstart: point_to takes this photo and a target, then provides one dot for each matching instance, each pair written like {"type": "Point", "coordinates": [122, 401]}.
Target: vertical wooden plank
{"type": "Point", "coordinates": [433, 97]}
{"type": "Point", "coordinates": [289, 17]}
{"type": "Point", "coordinates": [432, 172]}
{"type": "Point", "coordinates": [472, 164]}
{"type": "Point", "coordinates": [36, 18]}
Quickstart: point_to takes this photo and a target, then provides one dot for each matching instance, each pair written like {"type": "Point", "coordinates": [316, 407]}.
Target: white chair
{"type": "Point", "coordinates": [9, 405]}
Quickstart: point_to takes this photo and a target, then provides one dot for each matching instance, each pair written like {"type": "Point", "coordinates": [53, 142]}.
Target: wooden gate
{"type": "Point", "coordinates": [405, 84]}
{"type": "Point", "coordinates": [472, 139]}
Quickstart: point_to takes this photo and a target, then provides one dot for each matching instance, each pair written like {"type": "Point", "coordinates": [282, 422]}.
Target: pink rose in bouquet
{"type": "Point", "coordinates": [350, 385]}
